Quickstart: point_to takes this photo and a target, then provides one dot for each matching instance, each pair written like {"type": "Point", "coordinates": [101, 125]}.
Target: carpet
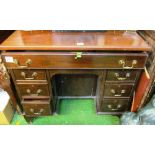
{"type": "Point", "coordinates": [72, 112]}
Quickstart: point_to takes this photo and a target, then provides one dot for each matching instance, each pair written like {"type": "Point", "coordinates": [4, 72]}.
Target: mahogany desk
{"type": "Point", "coordinates": [47, 66]}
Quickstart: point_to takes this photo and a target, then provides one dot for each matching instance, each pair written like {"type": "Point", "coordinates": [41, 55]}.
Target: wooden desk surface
{"type": "Point", "coordinates": [48, 40]}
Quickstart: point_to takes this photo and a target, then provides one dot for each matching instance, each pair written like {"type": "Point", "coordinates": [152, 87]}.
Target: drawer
{"type": "Point", "coordinates": [118, 90]}
{"type": "Point", "coordinates": [29, 74]}
{"type": "Point", "coordinates": [36, 107]}
{"type": "Point", "coordinates": [115, 105]}
{"type": "Point", "coordinates": [33, 90]}
{"type": "Point", "coordinates": [122, 75]}
{"type": "Point", "coordinates": [74, 60]}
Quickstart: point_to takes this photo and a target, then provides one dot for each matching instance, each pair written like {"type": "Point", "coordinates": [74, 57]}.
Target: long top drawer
{"type": "Point", "coordinates": [74, 60]}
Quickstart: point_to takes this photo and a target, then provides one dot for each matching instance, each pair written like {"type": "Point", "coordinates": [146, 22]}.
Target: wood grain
{"type": "Point", "coordinates": [67, 60]}
{"type": "Point", "coordinates": [48, 40]}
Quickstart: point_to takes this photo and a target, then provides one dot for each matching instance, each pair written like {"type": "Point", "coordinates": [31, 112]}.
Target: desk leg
{"type": "Point", "coordinates": [28, 119]}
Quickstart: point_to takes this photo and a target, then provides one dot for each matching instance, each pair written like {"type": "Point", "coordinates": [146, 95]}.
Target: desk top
{"type": "Point", "coordinates": [48, 40]}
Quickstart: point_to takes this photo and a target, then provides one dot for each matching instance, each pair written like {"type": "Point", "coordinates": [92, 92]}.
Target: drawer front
{"type": "Point", "coordinates": [115, 105]}
{"type": "Point", "coordinates": [33, 90]}
{"type": "Point", "coordinates": [36, 108]}
{"type": "Point", "coordinates": [29, 74]}
{"type": "Point", "coordinates": [74, 60]}
{"type": "Point", "coordinates": [122, 75]}
{"type": "Point", "coordinates": [118, 90]}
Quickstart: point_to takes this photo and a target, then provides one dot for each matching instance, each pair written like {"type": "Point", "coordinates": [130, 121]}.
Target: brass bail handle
{"type": "Point", "coordinates": [122, 62]}
{"type": "Point", "coordinates": [113, 108]}
{"type": "Point", "coordinates": [117, 95]}
{"type": "Point", "coordinates": [37, 113]}
{"type": "Point", "coordinates": [27, 63]}
{"type": "Point", "coordinates": [37, 93]}
{"type": "Point", "coordinates": [121, 78]}
{"type": "Point", "coordinates": [34, 74]}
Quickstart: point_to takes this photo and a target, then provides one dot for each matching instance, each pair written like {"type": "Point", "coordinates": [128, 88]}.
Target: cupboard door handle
{"type": "Point", "coordinates": [122, 62]}
{"type": "Point", "coordinates": [27, 63]}
{"type": "Point", "coordinates": [34, 74]}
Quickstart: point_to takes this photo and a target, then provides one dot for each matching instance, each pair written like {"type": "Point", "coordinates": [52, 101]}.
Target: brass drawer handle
{"type": "Point", "coordinates": [37, 93]}
{"type": "Point", "coordinates": [37, 113]}
{"type": "Point", "coordinates": [114, 109]}
{"type": "Point", "coordinates": [27, 63]}
{"type": "Point", "coordinates": [122, 78]}
{"type": "Point", "coordinates": [34, 74]}
{"type": "Point", "coordinates": [111, 107]}
{"type": "Point", "coordinates": [117, 95]}
{"type": "Point", "coordinates": [28, 91]}
{"type": "Point", "coordinates": [122, 62]}
{"type": "Point", "coordinates": [119, 106]}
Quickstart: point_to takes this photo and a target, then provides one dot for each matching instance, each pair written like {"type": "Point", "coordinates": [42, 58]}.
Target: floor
{"type": "Point", "coordinates": [72, 112]}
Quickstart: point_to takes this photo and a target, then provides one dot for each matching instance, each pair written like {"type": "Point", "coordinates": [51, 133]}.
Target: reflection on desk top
{"type": "Point", "coordinates": [49, 40]}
